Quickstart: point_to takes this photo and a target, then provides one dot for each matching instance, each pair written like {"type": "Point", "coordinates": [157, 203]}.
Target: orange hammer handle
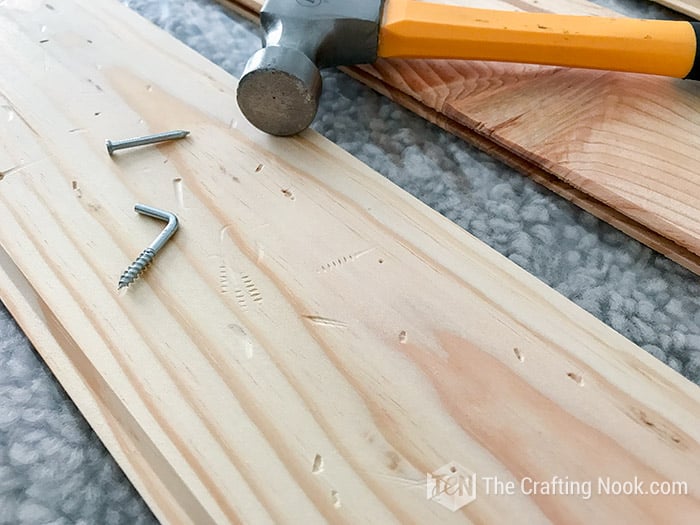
{"type": "Point", "coordinates": [414, 29]}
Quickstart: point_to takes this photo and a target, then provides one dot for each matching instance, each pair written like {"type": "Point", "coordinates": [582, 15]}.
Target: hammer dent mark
{"type": "Point", "coordinates": [663, 430]}
{"type": "Point", "coordinates": [394, 460]}
{"type": "Point", "coordinates": [336, 499]}
{"type": "Point", "coordinates": [288, 193]}
{"type": "Point", "coordinates": [317, 466]}
{"type": "Point", "coordinates": [223, 279]}
{"type": "Point", "coordinates": [239, 294]}
{"type": "Point", "coordinates": [222, 236]}
{"type": "Point", "coordinates": [251, 288]}
{"type": "Point", "coordinates": [76, 189]}
{"type": "Point", "coordinates": [225, 172]}
{"type": "Point", "coordinates": [259, 168]}
{"type": "Point", "coordinates": [577, 378]}
{"type": "Point", "coordinates": [403, 337]}
{"type": "Point", "coordinates": [179, 192]}
{"type": "Point", "coordinates": [336, 263]}
{"type": "Point", "coordinates": [325, 321]}
{"type": "Point", "coordinates": [240, 299]}
{"type": "Point", "coordinates": [519, 355]}
{"type": "Point", "coordinates": [7, 172]}
{"type": "Point", "coordinates": [228, 279]}
{"type": "Point", "coordinates": [95, 84]}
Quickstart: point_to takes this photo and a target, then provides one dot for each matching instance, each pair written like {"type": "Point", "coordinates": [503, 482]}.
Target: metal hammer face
{"type": "Point", "coordinates": [281, 84]}
{"type": "Point", "coordinates": [280, 89]}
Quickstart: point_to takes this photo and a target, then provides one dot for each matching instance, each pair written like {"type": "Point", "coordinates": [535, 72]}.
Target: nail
{"type": "Point", "coordinates": [113, 146]}
{"type": "Point", "coordinates": [136, 268]}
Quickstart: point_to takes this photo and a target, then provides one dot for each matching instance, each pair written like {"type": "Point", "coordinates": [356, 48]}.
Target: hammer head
{"type": "Point", "coordinates": [281, 84]}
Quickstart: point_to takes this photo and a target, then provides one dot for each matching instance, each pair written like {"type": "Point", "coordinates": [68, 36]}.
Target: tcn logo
{"type": "Point", "coordinates": [452, 486]}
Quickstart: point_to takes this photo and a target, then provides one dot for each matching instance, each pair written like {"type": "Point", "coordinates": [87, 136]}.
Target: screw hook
{"type": "Point", "coordinates": [136, 268]}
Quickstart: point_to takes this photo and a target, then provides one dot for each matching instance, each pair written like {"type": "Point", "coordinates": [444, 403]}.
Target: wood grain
{"type": "Point", "coordinates": [313, 340]}
{"type": "Point", "coordinates": [622, 146]}
{"type": "Point", "coordinates": [150, 474]}
{"type": "Point", "coordinates": [687, 7]}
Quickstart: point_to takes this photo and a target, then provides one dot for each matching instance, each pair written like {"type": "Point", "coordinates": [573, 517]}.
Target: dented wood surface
{"type": "Point", "coordinates": [621, 146]}
{"type": "Point", "coordinates": [313, 340]}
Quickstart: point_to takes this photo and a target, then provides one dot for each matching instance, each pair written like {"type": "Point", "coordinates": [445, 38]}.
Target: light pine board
{"type": "Point", "coordinates": [687, 7]}
{"type": "Point", "coordinates": [307, 308]}
{"type": "Point", "coordinates": [623, 147]}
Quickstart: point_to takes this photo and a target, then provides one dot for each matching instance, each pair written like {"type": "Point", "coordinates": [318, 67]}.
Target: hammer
{"type": "Point", "coordinates": [281, 84]}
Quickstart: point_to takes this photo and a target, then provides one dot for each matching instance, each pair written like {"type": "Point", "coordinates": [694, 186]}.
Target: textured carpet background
{"type": "Point", "coordinates": [53, 469]}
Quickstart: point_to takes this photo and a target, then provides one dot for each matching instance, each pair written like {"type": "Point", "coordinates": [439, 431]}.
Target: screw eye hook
{"type": "Point", "coordinates": [144, 260]}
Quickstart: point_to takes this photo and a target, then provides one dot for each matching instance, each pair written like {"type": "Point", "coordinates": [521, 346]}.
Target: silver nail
{"type": "Point", "coordinates": [113, 146]}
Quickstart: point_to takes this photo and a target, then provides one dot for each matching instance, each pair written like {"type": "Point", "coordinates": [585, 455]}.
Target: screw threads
{"type": "Point", "coordinates": [136, 268]}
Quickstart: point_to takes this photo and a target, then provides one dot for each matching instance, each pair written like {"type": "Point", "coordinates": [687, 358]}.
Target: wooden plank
{"type": "Point", "coordinates": [621, 146]}
{"type": "Point", "coordinates": [584, 200]}
{"type": "Point", "coordinates": [132, 449]}
{"type": "Point", "coordinates": [313, 340]}
{"type": "Point", "coordinates": [687, 7]}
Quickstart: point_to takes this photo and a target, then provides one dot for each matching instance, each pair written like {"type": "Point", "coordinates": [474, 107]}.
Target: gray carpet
{"type": "Point", "coordinates": [54, 470]}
